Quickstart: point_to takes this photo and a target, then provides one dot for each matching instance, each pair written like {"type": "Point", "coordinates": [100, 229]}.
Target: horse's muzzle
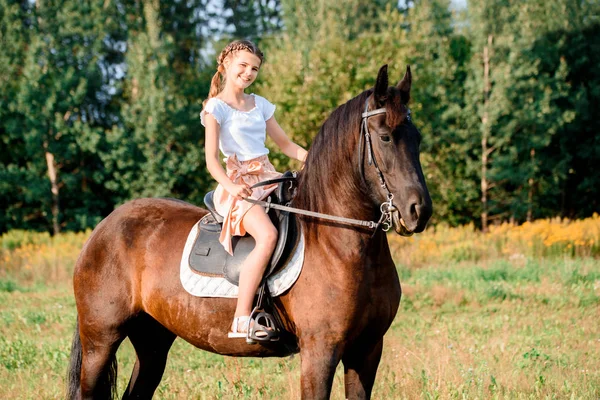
{"type": "Point", "coordinates": [414, 217]}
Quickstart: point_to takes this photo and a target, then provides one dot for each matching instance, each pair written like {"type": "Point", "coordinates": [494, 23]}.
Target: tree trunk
{"type": "Point", "coordinates": [530, 191]}
{"type": "Point", "coordinates": [52, 175]}
{"type": "Point", "coordinates": [485, 134]}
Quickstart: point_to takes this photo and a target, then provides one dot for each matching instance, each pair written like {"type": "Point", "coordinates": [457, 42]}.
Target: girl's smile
{"type": "Point", "coordinates": [243, 69]}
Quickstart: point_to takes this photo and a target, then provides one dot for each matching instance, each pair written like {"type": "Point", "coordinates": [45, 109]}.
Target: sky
{"type": "Point", "coordinates": [459, 3]}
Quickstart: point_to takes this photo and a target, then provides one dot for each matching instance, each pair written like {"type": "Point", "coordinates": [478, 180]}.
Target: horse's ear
{"type": "Point", "coordinates": [381, 86]}
{"type": "Point", "coordinates": [404, 85]}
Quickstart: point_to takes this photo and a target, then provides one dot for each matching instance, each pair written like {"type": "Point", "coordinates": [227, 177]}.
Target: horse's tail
{"type": "Point", "coordinates": [107, 384]}
{"type": "Point", "coordinates": [74, 373]}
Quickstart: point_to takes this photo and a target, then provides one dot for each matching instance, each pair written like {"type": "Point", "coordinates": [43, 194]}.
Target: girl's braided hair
{"type": "Point", "coordinates": [218, 79]}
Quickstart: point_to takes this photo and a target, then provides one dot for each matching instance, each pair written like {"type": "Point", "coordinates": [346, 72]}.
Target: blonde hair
{"type": "Point", "coordinates": [218, 80]}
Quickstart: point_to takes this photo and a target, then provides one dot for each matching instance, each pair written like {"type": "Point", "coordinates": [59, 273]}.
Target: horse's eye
{"type": "Point", "coordinates": [385, 138]}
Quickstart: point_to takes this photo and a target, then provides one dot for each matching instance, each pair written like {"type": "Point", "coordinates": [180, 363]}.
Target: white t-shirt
{"type": "Point", "coordinates": [242, 133]}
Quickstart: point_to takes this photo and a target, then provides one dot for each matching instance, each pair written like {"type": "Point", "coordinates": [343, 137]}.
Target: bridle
{"type": "Point", "coordinates": [387, 208]}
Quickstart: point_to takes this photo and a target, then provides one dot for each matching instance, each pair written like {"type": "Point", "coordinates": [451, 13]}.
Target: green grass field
{"type": "Point", "coordinates": [520, 329]}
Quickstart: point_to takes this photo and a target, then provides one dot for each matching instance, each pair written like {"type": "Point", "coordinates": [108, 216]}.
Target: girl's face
{"type": "Point", "coordinates": [242, 69]}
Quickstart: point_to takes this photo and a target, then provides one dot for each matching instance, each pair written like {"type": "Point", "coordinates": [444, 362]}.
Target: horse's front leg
{"type": "Point", "coordinates": [319, 361]}
{"type": "Point", "coordinates": [360, 368]}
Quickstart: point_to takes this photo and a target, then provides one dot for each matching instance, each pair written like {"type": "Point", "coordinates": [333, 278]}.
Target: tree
{"type": "Point", "coordinates": [13, 43]}
{"type": "Point", "coordinates": [322, 60]}
{"type": "Point", "coordinates": [251, 19]}
{"type": "Point", "coordinates": [439, 57]}
{"type": "Point", "coordinates": [53, 114]}
{"type": "Point", "coordinates": [537, 163]}
{"type": "Point", "coordinates": [157, 149]}
{"type": "Point", "coordinates": [488, 30]}
{"type": "Point", "coordinates": [553, 146]}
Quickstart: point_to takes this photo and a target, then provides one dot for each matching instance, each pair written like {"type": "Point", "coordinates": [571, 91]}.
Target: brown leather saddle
{"type": "Point", "coordinates": [209, 258]}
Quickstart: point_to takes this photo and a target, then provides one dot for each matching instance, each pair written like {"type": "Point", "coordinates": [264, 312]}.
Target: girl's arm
{"type": "Point", "coordinates": [287, 147]}
{"type": "Point", "coordinates": [211, 150]}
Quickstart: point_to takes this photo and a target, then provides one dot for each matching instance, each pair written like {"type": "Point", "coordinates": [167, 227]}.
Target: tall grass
{"type": "Point", "coordinates": [543, 238]}
{"type": "Point", "coordinates": [30, 257]}
{"type": "Point", "coordinates": [463, 331]}
{"type": "Point", "coordinates": [33, 258]}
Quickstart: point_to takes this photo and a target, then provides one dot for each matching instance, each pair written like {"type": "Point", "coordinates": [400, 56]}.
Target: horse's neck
{"type": "Point", "coordinates": [344, 241]}
{"type": "Point", "coordinates": [333, 186]}
{"type": "Point", "coordinates": [348, 256]}
{"type": "Point", "coordinates": [338, 193]}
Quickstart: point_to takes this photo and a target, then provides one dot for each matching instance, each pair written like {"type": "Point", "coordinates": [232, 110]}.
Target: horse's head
{"type": "Point", "coordinates": [390, 162]}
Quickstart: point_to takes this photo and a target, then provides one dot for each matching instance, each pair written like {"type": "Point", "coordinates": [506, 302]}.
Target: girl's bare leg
{"type": "Point", "coordinates": [259, 226]}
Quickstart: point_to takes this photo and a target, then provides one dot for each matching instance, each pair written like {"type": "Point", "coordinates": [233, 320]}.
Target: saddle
{"type": "Point", "coordinates": [209, 258]}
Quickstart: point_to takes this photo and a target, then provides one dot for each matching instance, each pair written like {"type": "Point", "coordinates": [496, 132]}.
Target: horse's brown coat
{"type": "Point", "coordinates": [126, 280]}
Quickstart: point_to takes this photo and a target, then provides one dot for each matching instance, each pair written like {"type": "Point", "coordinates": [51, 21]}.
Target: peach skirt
{"type": "Point", "coordinates": [233, 210]}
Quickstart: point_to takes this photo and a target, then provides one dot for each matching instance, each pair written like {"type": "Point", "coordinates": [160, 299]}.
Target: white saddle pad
{"type": "Point", "coordinates": [206, 286]}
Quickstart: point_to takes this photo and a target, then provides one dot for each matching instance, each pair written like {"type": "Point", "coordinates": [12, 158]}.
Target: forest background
{"type": "Point", "coordinates": [99, 100]}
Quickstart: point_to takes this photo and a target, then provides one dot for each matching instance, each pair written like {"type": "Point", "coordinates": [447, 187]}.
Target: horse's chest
{"type": "Point", "coordinates": [369, 297]}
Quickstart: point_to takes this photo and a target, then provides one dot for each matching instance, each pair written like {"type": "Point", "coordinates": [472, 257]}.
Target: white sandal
{"type": "Point", "coordinates": [263, 334]}
{"type": "Point", "coordinates": [242, 322]}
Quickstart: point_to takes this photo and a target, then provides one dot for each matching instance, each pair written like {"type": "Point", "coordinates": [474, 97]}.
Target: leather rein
{"type": "Point", "coordinates": [387, 208]}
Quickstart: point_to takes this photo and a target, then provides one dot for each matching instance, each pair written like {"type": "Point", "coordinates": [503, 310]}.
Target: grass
{"type": "Point", "coordinates": [520, 328]}
{"type": "Point", "coordinates": [501, 331]}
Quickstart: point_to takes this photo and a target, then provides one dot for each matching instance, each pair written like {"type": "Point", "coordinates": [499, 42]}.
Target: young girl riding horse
{"type": "Point", "coordinates": [237, 123]}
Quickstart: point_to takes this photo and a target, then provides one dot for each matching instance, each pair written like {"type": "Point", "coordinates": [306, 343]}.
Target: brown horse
{"type": "Point", "coordinates": [127, 281]}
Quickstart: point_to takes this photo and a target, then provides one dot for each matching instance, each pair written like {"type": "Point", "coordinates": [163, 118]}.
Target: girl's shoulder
{"type": "Point", "coordinates": [217, 108]}
{"type": "Point", "coordinates": [259, 99]}
{"type": "Point", "coordinates": [214, 103]}
{"type": "Point", "coordinates": [265, 106]}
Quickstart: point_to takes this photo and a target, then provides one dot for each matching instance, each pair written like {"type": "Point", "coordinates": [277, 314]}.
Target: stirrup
{"type": "Point", "coordinates": [263, 328]}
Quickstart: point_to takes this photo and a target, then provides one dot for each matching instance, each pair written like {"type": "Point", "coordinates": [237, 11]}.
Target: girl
{"type": "Point", "coordinates": [236, 123]}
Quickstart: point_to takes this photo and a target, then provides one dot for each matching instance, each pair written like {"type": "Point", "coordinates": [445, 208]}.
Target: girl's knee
{"type": "Point", "coordinates": [268, 238]}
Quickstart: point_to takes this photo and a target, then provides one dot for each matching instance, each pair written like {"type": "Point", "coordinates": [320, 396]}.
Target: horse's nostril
{"type": "Point", "coordinates": [414, 210]}
{"type": "Point", "coordinates": [417, 211]}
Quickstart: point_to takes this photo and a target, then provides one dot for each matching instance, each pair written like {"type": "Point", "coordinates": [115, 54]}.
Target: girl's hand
{"type": "Point", "coordinates": [239, 191]}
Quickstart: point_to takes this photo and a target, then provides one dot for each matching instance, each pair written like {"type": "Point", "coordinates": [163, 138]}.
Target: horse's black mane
{"type": "Point", "coordinates": [332, 147]}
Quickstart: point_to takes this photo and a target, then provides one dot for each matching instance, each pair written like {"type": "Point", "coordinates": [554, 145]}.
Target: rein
{"type": "Point", "coordinates": [387, 208]}
{"type": "Point", "coordinates": [268, 205]}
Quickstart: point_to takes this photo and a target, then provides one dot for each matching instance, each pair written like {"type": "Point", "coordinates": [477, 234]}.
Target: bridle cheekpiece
{"type": "Point", "coordinates": [387, 208]}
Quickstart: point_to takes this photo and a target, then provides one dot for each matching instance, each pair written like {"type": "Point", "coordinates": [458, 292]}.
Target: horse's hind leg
{"type": "Point", "coordinates": [98, 362]}
{"type": "Point", "coordinates": [360, 368]}
{"type": "Point", "coordinates": [152, 342]}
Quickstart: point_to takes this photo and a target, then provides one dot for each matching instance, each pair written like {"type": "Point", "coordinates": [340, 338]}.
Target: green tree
{"type": "Point", "coordinates": [157, 149]}
{"type": "Point", "coordinates": [547, 166]}
{"type": "Point", "coordinates": [439, 58]}
{"type": "Point", "coordinates": [322, 60]}
{"type": "Point", "coordinates": [535, 166]}
{"type": "Point", "coordinates": [251, 19]}
{"type": "Point", "coordinates": [489, 32]}
{"type": "Point", "coordinates": [13, 44]}
{"type": "Point", "coordinates": [53, 115]}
